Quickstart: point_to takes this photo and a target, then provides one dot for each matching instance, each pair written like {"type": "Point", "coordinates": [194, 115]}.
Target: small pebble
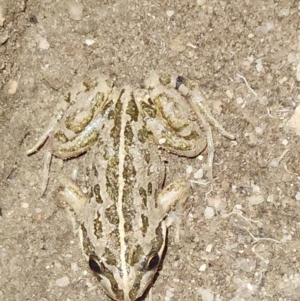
{"type": "Point", "coordinates": [206, 294]}
{"type": "Point", "coordinates": [209, 212]}
{"type": "Point", "coordinates": [255, 199]}
{"type": "Point", "coordinates": [25, 205]}
{"type": "Point", "coordinates": [297, 196]}
{"type": "Point", "coordinates": [201, 2]}
{"type": "Point", "coordinates": [199, 174]}
{"type": "Point", "coordinates": [170, 13]}
{"type": "Point", "coordinates": [169, 294]}
{"type": "Point", "coordinates": [74, 267]}
{"type": "Point", "coordinates": [259, 130]}
{"type": "Point", "coordinates": [292, 58]}
{"type": "Point", "coordinates": [239, 100]}
{"type": "Point", "coordinates": [57, 264]}
{"type": "Point", "coordinates": [43, 43]}
{"type": "Point", "coordinates": [208, 248]}
{"type": "Point", "coordinates": [89, 42]}
{"type": "Point", "coordinates": [202, 268]}
{"type": "Point", "coordinates": [12, 87]}
{"type": "Point", "coordinates": [162, 141]}
{"type": "Point", "coordinates": [200, 157]}
{"type": "Point", "coordinates": [270, 198]}
{"type": "Point", "coordinates": [75, 10]}
{"type": "Point", "coordinates": [284, 12]}
{"type": "Point", "coordinates": [229, 94]}
{"type": "Point", "coordinates": [189, 169]}
{"type": "Point", "coordinates": [259, 65]}
{"type": "Point", "coordinates": [249, 286]}
{"type": "Point", "coordinates": [63, 281]}
{"type": "Point", "coordinates": [38, 210]}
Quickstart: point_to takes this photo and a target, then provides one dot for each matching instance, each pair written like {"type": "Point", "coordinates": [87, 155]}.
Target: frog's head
{"type": "Point", "coordinates": [126, 268]}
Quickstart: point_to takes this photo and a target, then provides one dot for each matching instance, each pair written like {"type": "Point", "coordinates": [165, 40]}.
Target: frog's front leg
{"type": "Point", "coordinates": [172, 199]}
{"type": "Point", "coordinates": [71, 197]}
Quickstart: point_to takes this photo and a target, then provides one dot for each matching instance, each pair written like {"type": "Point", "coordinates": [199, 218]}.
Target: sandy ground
{"type": "Point", "coordinates": [249, 248]}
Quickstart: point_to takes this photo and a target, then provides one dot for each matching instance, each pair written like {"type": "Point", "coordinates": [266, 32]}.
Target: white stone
{"type": "Point", "coordinates": [199, 174]}
{"type": "Point", "coordinates": [284, 12]}
{"type": "Point", "coordinates": [189, 169]}
{"type": "Point", "coordinates": [63, 281]}
{"type": "Point", "coordinates": [259, 65]}
{"type": "Point", "coordinates": [270, 198]}
{"type": "Point", "coordinates": [285, 142]}
{"type": "Point", "coordinates": [170, 13]}
{"type": "Point", "coordinates": [208, 248]}
{"type": "Point", "coordinates": [256, 199]}
{"type": "Point", "coordinates": [75, 10]}
{"type": "Point", "coordinates": [209, 212]}
{"type": "Point", "coordinates": [74, 267]}
{"type": "Point", "coordinates": [43, 43]}
{"type": "Point", "coordinates": [89, 42]}
{"type": "Point", "coordinates": [201, 2]}
{"type": "Point", "coordinates": [206, 294]}
{"type": "Point", "coordinates": [294, 122]}
{"type": "Point", "coordinates": [259, 130]}
{"type": "Point", "coordinates": [12, 87]}
{"type": "Point", "coordinates": [239, 100]}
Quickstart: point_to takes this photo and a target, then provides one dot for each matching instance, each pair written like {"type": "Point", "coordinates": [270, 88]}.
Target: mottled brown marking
{"type": "Point", "coordinates": [129, 171]}
{"type": "Point", "coordinates": [116, 130]}
{"type": "Point", "coordinates": [112, 181]}
{"type": "Point", "coordinates": [96, 174]}
{"type": "Point", "coordinates": [90, 84]}
{"type": "Point", "coordinates": [145, 222]}
{"type": "Point", "coordinates": [98, 226]}
{"type": "Point", "coordinates": [133, 256]}
{"type": "Point", "coordinates": [87, 245]}
{"type": "Point", "coordinates": [97, 194]}
{"type": "Point", "coordinates": [149, 109]}
{"type": "Point", "coordinates": [78, 126]}
{"type": "Point", "coordinates": [114, 285]}
{"type": "Point", "coordinates": [112, 215]}
{"type": "Point", "coordinates": [143, 195]}
{"type": "Point", "coordinates": [158, 240]}
{"type": "Point", "coordinates": [149, 191]}
{"type": "Point", "coordinates": [109, 257]}
{"type": "Point", "coordinates": [128, 217]}
{"type": "Point", "coordinates": [128, 134]}
{"type": "Point", "coordinates": [60, 136]}
{"type": "Point", "coordinates": [143, 134]}
{"type": "Point", "coordinates": [146, 156]}
{"type": "Point", "coordinates": [132, 109]}
{"type": "Point", "coordinates": [165, 79]}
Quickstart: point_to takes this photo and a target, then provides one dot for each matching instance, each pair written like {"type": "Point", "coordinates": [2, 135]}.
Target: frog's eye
{"type": "Point", "coordinates": [95, 266]}
{"type": "Point", "coordinates": [152, 262]}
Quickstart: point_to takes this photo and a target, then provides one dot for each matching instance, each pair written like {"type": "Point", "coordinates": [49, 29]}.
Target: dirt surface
{"type": "Point", "coordinates": [239, 241]}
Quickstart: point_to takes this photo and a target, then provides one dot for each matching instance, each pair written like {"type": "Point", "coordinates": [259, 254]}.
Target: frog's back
{"type": "Point", "coordinates": [122, 228]}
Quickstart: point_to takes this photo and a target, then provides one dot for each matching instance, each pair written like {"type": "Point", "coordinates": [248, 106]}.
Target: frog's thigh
{"type": "Point", "coordinates": [174, 131]}
{"type": "Point", "coordinates": [76, 146]}
{"type": "Point", "coordinates": [187, 145]}
{"type": "Point", "coordinates": [174, 194]}
{"type": "Point", "coordinates": [71, 196]}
